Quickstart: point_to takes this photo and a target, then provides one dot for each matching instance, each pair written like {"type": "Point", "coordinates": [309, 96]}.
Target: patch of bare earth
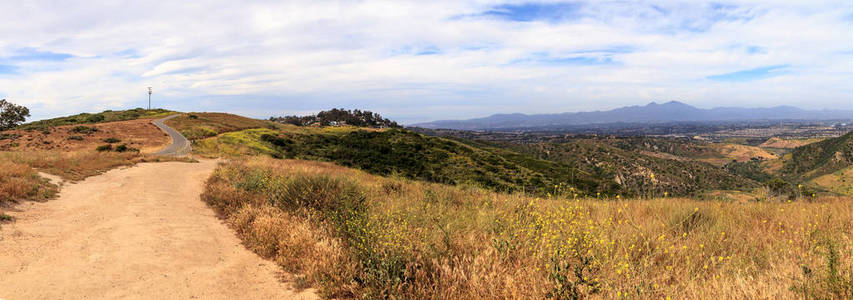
{"type": "Point", "coordinates": [780, 143]}
{"type": "Point", "coordinates": [134, 232]}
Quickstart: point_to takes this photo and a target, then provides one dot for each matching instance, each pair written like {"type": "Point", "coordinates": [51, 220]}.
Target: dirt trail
{"type": "Point", "coordinates": [138, 232]}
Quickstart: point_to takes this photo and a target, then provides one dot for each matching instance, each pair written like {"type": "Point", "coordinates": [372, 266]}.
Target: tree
{"type": "Point", "coordinates": [12, 114]}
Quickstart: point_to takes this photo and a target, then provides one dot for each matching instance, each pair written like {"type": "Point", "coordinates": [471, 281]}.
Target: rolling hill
{"type": "Point", "coordinates": [820, 158]}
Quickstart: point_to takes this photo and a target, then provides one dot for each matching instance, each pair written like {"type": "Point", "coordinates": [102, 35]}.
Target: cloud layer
{"type": "Point", "coordinates": [424, 60]}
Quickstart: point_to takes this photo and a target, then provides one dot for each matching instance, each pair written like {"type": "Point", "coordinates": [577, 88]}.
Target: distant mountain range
{"type": "Point", "coordinates": [668, 112]}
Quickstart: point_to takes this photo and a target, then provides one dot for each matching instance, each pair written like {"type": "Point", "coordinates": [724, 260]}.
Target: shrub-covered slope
{"type": "Point", "coordinates": [638, 174]}
{"type": "Point", "coordinates": [820, 158]}
{"type": "Point", "coordinates": [411, 155]}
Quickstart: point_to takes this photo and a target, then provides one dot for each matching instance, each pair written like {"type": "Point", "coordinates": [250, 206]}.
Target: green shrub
{"type": "Point", "coordinates": [4, 136]}
{"type": "Point", "coordinates": [105, 148]}
{"type": "Point", "coordinates": [95, 118]}
{"type": "Point", "coordinates": [111, 140]}
{"type": "Point", "coordinates": [84, 129]}
{"type": "Point", "coordinates": [125, 148]}
{"type": "Point", "coordinates": [75, 138]}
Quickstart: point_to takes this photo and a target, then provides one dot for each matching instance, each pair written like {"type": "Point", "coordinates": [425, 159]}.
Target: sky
{"type": "Point", "coordinates": [415, 61]}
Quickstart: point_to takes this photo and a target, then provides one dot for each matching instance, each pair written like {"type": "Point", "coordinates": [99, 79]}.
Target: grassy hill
{"type": "Point", "coordinates": [199, 125]}
{"type": "Point", "coordinates": [820, 158]}
{"type": "Point", "coordinates": [102, 117]}
{"type": "Point", "coordinates": [404, 153]}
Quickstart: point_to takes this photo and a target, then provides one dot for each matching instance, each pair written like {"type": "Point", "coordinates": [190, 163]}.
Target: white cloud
{"type": "Point", "coordinates": [267, 57]}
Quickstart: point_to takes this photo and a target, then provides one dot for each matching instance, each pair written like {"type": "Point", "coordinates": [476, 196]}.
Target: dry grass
{"type": "Point", "coordinates": [736, 152]}
{"type": "Point", "coordinates": [139, 134]}
{"type": "Point", "coordinates": [72, 165]}
{"type": "Point", "coordinates": [356, 235]}
{"type": "Point", "coordinates": [19, 181]}
{"type": "Point", "coordinates": [779, 143]}
{"type": "Point", "coordinates": [840, 182]}
{"type": "Point", "coordinates": [201, 125]}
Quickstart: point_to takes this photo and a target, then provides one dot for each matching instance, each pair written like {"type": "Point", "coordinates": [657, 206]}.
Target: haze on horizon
{"type": "Point", "coordinates": [416, 61]}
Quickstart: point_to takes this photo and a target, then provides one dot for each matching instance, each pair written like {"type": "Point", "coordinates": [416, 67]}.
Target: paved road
{"type": "Point", "coordinates": [180, 146]}
{"type": "Point", "coordinates": [133, 233]}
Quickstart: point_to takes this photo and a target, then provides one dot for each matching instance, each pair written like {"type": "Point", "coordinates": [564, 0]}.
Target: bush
{"type": "Point", "coordinates": [111, 140]}
{"type": "Point", "coordinates": [105, 148]}
{"type": "Point", "coordinates": [4, 136]}
{"type": "Point", "coordinates": [75, 138]}
{"type": "Point", "coordinates": [95, 118]}
{"type": "Point", "coordinates": [125, 148]}
{"type": "Point", "coordinates": [84, 129]}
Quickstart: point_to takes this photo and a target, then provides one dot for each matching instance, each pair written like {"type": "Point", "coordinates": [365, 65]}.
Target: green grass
{"type": "Point", "coordinates": [102, 117]}
{"type": "Point", "coordinates": [199, 125]}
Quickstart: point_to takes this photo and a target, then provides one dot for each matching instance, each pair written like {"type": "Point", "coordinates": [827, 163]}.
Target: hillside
{"type": "Point", "coordinates": [356, 235]}
{"type": "Point", "coordinates": [102, 117]}
{"type": "Point", "coordinates": [407, 154]}
{"type": "Point", "coordinates": [718, 154]}
{"type": "Point", "coordinates": [199, 125]}
{"type": "Point", "coordinates": [820, 158]}
{"type": "Point", "coordinates": [638, 174]}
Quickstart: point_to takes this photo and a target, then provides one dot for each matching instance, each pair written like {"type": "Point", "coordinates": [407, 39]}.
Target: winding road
{"type": "Point", "coordinates": [180, 146]}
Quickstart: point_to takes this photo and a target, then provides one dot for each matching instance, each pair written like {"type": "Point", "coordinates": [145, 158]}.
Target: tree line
{"type": "Point", "coordinates": [339, 116]}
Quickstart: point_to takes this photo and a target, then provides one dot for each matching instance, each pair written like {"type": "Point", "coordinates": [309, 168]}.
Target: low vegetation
{"type": "Point", "coordinates": [19, 181]}
{"type": "Point", "coordinates": [71, 165]}
{"type": "Point", "coordinates": [196, 126]}
{"type": "Point", "coordinates": [407, 154]}
{"type": "Point", "coordinates": [102, 117]}
{"type": "Point", "coordinates": [352, 234]}
{"type": "Point", "coordinates": [820, 158]}
{"type": "Point", "coordinates": [638, 174]}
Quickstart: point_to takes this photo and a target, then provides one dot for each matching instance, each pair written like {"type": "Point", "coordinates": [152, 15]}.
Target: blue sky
{"type": "Point", "coordinates": [417, 61]}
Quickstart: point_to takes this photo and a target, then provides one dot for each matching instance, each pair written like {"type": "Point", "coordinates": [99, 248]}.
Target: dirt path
{"type": "Point", "coordinates": [138, 232]}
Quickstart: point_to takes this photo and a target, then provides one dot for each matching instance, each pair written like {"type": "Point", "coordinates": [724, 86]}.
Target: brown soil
{"type": "Point", "coordinates": [137, 232]}
{"type": "Point", "coordinates": [140, 134]}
